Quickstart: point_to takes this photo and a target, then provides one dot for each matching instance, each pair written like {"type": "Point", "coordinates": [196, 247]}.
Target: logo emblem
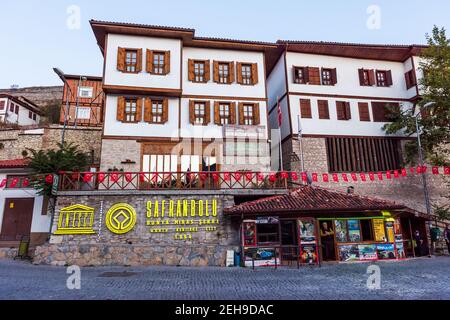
{"type": "Point", "coordinates": [121, 218]}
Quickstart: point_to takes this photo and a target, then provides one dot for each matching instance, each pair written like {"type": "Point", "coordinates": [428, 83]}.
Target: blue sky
{"type": "Point", "coordinates": [35, 36]}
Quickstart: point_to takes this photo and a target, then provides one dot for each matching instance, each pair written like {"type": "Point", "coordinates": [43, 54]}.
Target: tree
{"type": "Point", "coordinates": [435, 120]}
{"type": "Point", "coordinates": [42, 163]}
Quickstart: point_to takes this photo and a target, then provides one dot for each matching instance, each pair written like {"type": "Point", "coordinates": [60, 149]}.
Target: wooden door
{"type": "Point", "coordinates": [17, 217]}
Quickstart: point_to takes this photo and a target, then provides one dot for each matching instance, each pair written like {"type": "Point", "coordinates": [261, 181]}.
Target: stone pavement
{"type": "Point", "coordinates": [422, 278]}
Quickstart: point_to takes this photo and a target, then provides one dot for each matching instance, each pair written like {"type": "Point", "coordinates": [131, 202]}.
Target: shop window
{"type": "Point", "coordinates": [267, 233]}
{"type": "Point", "coordinates": [367, 230]}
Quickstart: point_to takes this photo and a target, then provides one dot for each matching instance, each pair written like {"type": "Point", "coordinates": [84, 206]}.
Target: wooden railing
{"type": "Point", "coordinates": [78, 181]}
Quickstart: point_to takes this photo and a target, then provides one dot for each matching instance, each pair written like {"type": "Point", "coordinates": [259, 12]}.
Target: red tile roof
{"type": "Point", "coordinates": [16, 163]}
{"type": "Point", "coordinates": [316, 199]}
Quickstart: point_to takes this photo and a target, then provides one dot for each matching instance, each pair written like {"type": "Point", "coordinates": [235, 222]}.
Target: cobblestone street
{"type": "Point", "coordinates": [413, 279]}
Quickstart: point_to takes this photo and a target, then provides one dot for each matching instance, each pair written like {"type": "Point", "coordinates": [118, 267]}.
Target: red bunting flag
{"type": "Point", "coordinates": [447, 170]}
{"type": "Point", "coordinates": [128, 177]}
{"type": "Point", "coordinates": [354, 177]}
{"type": "Point", "coordinates": [249, 176]}
{"type": "Point", "coordinates": [380, 175]}
{"type": "Point", "coordinates": [388, 175]}
{"type": "Point", "coordinates": [3, 183]}
{"type": "Point", "coordinates": [345, 177]}
{"type": "Point", "coordinates": [226, 176]}
{"type": "Point", "coordinates": [49, 179]}
{"type": "Point", "coordinates": [315, 177]}
{"type": "Point", "coordinates": [404, 172]}
{"type": "Point", "coordinates": [272, 177]}
{"type": "Point", "coordinates": [424, 169]}
{"type": "Point", "coordinates": [435, 170]}
{"type": "Point", "coordinates": [215, 176]}
{"type": "Point", "coordinates": [396, 174]}
{"type": "Point", "coordinates": [419, 169]}
{"type": "Point", "coordinates": [87, 177]}
{"type": "Point", "coordinates": [101, 177]}
{"type": "Point", "coordinates": [114, 177]}
{"type": "Point", "coordinates": [284, 175]}
{"type": "Point", "coordinates": [294, 176]}
{"type": "Point", "coordinates": [371, 176]}
{"type": "Point", "coordinates": [260, 177]}
{"type": "Point", "coordinates": [237, 175]}
{"type": "Point", "coordinates": [14, 182]}
{"type": "Point", "coordinates": [75, 176]}
{"type": "Point", "coordinates": [25, 182]}
{"type": "Point", "coordinates": [203, 176]}
{"type": "Point", "coordinates": [335, 177]}
{"type": "Point", "coordinates": [362, 175]}
{"type": "Point", "coordinates": [141, 177]}
{"type": "Point", "coordinates": [304, 177]}
{"type": "Point", "coordinates": [325, 177]}
{"type": "Point", "coordinates": [412, 170]}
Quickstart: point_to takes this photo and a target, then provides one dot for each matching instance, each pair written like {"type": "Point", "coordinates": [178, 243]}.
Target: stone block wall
{"type": "Point", "coordinates": [139, 246]}
{"type": "Point", "coordinates": [114, 152]}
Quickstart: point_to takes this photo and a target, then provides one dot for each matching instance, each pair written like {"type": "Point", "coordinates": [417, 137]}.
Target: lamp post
{"type": "Point", "coordinates": [421, 160]}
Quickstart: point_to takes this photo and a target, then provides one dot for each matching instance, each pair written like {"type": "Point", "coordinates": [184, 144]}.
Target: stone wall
{"type": "Point", "coordinates": [121, 154]}
{"type": "Point", "coordinates": [406, 190]}
{"type": "Point", "coordinates": [140, 246]}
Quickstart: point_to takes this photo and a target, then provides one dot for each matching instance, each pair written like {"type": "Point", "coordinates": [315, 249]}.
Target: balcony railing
{"type": "Point", "coordinates": [79, 181]}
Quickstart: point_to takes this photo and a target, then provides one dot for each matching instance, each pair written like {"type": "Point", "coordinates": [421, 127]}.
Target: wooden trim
{"type": "Point", "coordinates": [193, 96]}
{"type": "Point", "coordinates": [267, 96]}
{"type": "Point", "coordinates": [338, 96]}
{"type": "Point", "coordinates": [294, 136]}
{"type": "Point", "coordinates": [417, 78]}
{"type": "Point", "coordinates": [287, 92]}
{"type": "Point", "coordinates": [117, 89]}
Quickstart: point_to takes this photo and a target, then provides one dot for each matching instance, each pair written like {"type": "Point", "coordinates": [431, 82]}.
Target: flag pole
{"type": "Point", "coordinates": [300, 142]}
{"type": "Point", "coordinates": [279, 129]}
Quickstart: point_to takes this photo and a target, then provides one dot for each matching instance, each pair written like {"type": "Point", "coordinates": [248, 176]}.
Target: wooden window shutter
{"type": "Point", "coordinates": [191, 74]}
{"type": "Point", "coordinates": [138, 110]}
{"type": "Point", "coordinates": [231, 72]}
{"type": "Point", "coordinates": [241, 113]}
{"type": "Point", "coordinates": [413, 78]}
{"type": "Point", "coordinates": [294, 74]}
{"type": "Point", "coordinates": [239, 72]}
{"type": "Point", "coordinates": [348, 113]}
{"type": "Point", "coordinates": [207, 112]}
{"type": "Point", "coordinates": [314, 76]}
{"type": "Point", "coordinates": [216, 71]}
{"type": "Point", "coordinates": [166, 62]}
{"type": "Point", "coordinates": [233, 113]}
{"type": "Point", "coordinates": [363, 108]}
{"type": "Point", "coordinates": [139, 60]}
{"type": "Point", "coordinates": [372, 77]}
{"type": "Point", "coordinates": [379, 111]}
{"type": "Point", "coordinates": [340, 110]}
{"type": "Point", "coordinates": [254, 73]}
{"type": "Point", "coordinates": [361, 77]}
{"type": "Point", "coordinates": [323, 109]}
{"type": "Point", "coordinates": [256, 115]}
{"type": "Point", "coordinates": [306, 74]}
{"type": "Point", "coordinates": [217, 113]}
{"type": "Point", "coordinates": [389, 78]}
{"type": "Point", "coordinates": [305, 108]}
{"type": "Point", "coordinates": [192, 111]}
{"type": "Point", "coordinates": [207, 71]}
{"type": "Point", "coordinates": [149, 61]}
{"type": "Point", "coordinates": [120, 109]}
{"type": "Point", "coordinates": [408, 80]}
{"type": "Point", "coordinates": [148, 116]}
{"type": "Point", "coordinates": [121, 55]}
{"type": "Point", "coordinates": [333, 76]}
{"type": "Point", "coordinates": [165, 110]}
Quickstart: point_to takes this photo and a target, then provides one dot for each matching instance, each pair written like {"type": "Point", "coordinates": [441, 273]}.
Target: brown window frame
{"type": "Point", "coordinates": [16, 109]}
{"type": "Point", "coordinates": [30, 114]}
{"type": "Point", "coordinates": [346, 110]}
{"type": "Point", "coordinates": [361, 154]}
{"type": "Point", "coordinates": [198, 116]}
{"type": "Point", "coordinates": [223, 113]}
{"type": "Point", "coordinates": [2, 104]}
{"type": "Point", "coordinates": [411, 79]}
{"type": "Point", "coordinates": [224, 75]}
{"type": "Point", "coordinates": [323, 115]}
{"type": "Point", "coordinates": [249, 118]}
{"type": "Point", "coordinates": [247, 79]}
{"type": "Point", "coordinates": [364, 112]}
{"type": "Point", "coordinates": [159, 61]}
{"type": "Point", "coordinates": [384, 81]}
{"type": "Point", "coordinates": [303, 78]}
{"type": "Point", "coordinates": [382, 116]}
{"type": "Point", "coordinates": [305, 109]}
{"type": "Point", "coordinates": [34, 116]}
{"type": "Point", "coordinates": [199, 77]}
{"type": "Point", "coordinates": [158, 112]}
{"type": "Point", "coordinates": [11, 107]}
{"type": "Point", "coordinates": [327, 77]}
{"type": "Point", "coordinates": [366, 77]}
{"type": "Point", "coordinates": [128, 111]}
{"type": "Point", "coordinates": [129, 61]}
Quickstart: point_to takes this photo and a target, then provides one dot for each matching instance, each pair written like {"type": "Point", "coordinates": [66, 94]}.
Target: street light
{"type": "Point", "coordinates": [424, 179]}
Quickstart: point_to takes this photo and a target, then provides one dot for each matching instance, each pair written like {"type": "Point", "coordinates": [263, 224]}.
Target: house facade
{"type": "Point", "coordinates": [18, 111]}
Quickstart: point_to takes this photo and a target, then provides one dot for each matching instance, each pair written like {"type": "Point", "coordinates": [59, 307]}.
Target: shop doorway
{"type": "Point", "coordinates": [289, 241]}
{"type": "Point", "coordinates": [327, 239]}
{"type": "Point", "coordinates": [17, 217]}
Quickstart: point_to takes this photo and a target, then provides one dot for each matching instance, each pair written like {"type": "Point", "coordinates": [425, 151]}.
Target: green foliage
{"type": "Point", "coordinates": [442, 212]}
{"type": "Point", "coordinates": [51, 112]}
{"type": "Point", "coordinates": [66, 158]}
{"type": "Point", "coordinates": [435, 119]}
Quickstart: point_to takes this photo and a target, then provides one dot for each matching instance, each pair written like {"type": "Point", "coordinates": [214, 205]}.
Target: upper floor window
{"type": "Point", "coordinates": [16, 110]}
{"type": "Point", "coordinates": [11, 107]}
{"type": "Point", "coordinates": [157, 111]}
{"type": "Point", "coordinates": [130, 110]}
{"type": "Point", "coordinates": [199, 113]}
{"type": "Point", "coordinates": [30, 114]}
{"type": "Point", "coordinates": [131, 60]}
{"type": "Point", "coordinates": [199, 71]}
{"type": "Point", "coordinates": [224, 72]}
{"type": "Point", "coordinates": [411, 79]}
{"type": "Point", "coordinates": [2, 105]}
{"type": "Point", "coordinates": [300, 75]}
{"type": "Point", "coordinates": [343, 111]}
{"type": "Point", "coordinates": [384, 78]}
{"type": "Point", "coordinates": [246, 72]}
{"type": "Point", "coordinates": [385, 111]}
{"type": "Point", "coordinates": [34, 116]}
{"type": "Point", "coordinates": [158, 62]}
{"type": "Point", "coordinates": [86, 92]}
{"type": "Point", "coordinates": [366, 77]}
{"type": "Point", "coordinates": [224, 113]}
{"type": "Point", "coordinates": [328, 77]}
{"type": "Point", "coordinates": [248, 114]}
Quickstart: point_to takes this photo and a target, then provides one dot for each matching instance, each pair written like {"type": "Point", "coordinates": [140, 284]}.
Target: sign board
{"type": "Point", "coordinates": [378, 228]}
{"type": "Point", "coordinates": [230, 258]}
{"type": "Point", "coordinates": [267, 220]}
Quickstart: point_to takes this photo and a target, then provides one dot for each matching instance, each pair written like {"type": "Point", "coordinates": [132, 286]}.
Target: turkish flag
{"type": "Point", "coordinates": [14, 182]}
{"type": "Point", "coordinates": [304, 177]}
{"type": "Point", "coordinates": [203, 176]}
{"type": "Point", "coordinates": [447, 170]}
{"type": "Point", "coordinates": [315, 177]}
{"type": "Point", "coordinates": [294, 176]}
{"type": "Point", "coordinates": [344, 177]}
{"type": "Point", "coordinates": [260, 177]}
{"type": "Point", "coordinates": [404, 172]}
{"type": "Point", "coordinates": [371, 176]}
{"type": "Point", "coordinates": [87, 177]}
{"type": "Point", "coordinates": [249, 176]}
{"type": "Point", "coordinates": [424, 169]}
{"type": "Point", "coordinates": [237, 175]}
{"type": "Point", "coordinates": [215, 176]}
{"type": "Point", "coordinates": [325, 177]}
{"type": "Point", "coordinates": [49, 179]}
{"type": "Point", "coordinates": [272, 177]}
{"type": "Point", "coordinates": [114, 177]}
{"type": "Point", "coordinates": [141, 177]}
{"type": "Point", "coordinates": [435, 170]}
{"type": "Point", "coordinates": [419, 169]}
{"type": "Point", "coordinates": [412, 170]}
{"type": "Point", "coordinates": [380, 175]}
{"type": "Point", "coordinates": [362, 175]}
{"type": "Point", "coordinates": [226, 176]}
{"type": "Point", "coordinates": [3, 183]}
{"type": "Point", "coordinates": [396, 174]}
{"type": "Point", "coordinates": [25, 183]}
{"type": "Point", "coordinates": [101, 177]}
{"type": "Point", "coordinates": [284, 175]}
{"type": "Point", "coordinates": [388, 175]}
{"type": "Point", "coordinates": [354, 176]}
{"type": "Point", "coordinates": [128, 177]}
{"type": "Point", "coordinates": [335, 177]}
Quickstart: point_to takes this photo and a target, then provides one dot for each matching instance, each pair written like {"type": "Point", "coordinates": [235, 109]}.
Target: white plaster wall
{"type": "Point", "coordinates": [333, 126]}
{"type": "Point", "coordinates": [419, 73]}
{"type": "Point", "coordinates": [347, 76]}
{"type": "Point", "coordinates": [216, 89]}
{"type": "Point", "coordinates": [212, 130]}
{"type": "Point", "coordinates": [144, 129]}
{"type": "Point", "coordinates": [40, 223]}
{"type": "Point", "coordinates": [21, 118]}
{"type": "Point", "coordinates": [143, 79]}
{"type": "Point", "coordinates": [273, 119]}
{"type": "Point", "coordinates": [276, 82]}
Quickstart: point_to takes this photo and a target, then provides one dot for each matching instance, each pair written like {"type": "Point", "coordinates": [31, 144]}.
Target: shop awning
{"type": "Point", "coordinates": [310, 199]}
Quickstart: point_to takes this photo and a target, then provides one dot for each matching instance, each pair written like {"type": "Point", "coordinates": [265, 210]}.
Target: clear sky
{"type": "Point", "coordinates": [38, 35]}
